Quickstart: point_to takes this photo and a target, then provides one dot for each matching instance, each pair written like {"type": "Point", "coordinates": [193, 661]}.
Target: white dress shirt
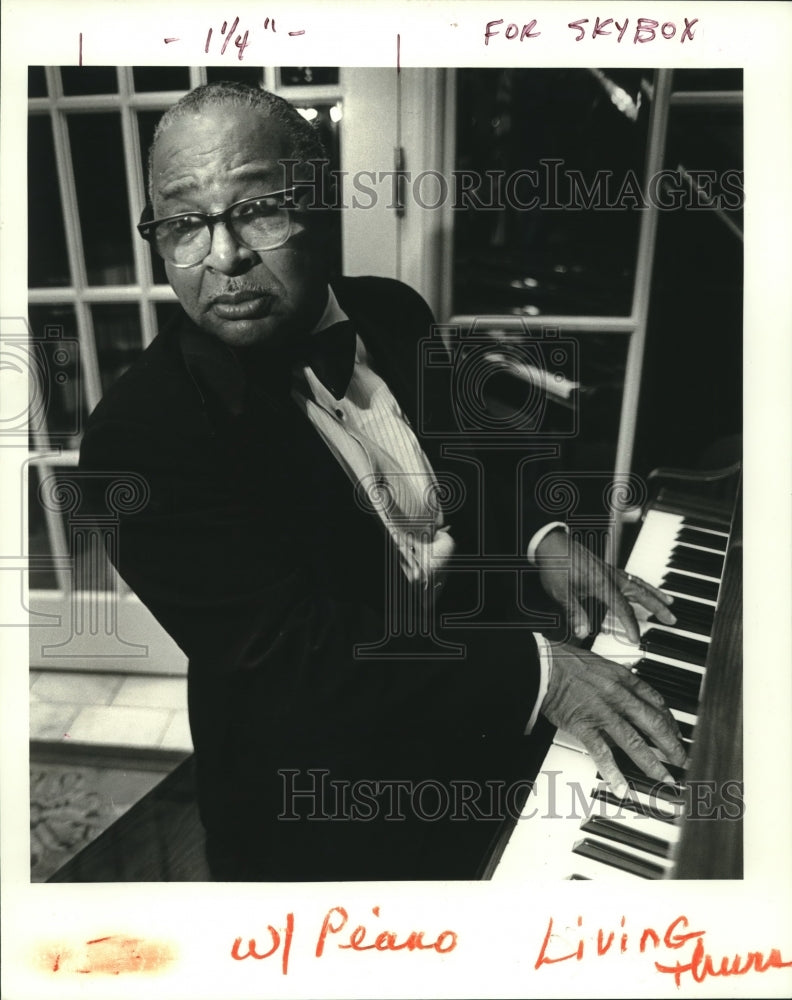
{"type": "Point", "coordinates": [370, 436]}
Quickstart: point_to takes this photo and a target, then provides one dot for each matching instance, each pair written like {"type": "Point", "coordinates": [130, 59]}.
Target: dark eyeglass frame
{"type": "Point", "coordinates": [147, 226]}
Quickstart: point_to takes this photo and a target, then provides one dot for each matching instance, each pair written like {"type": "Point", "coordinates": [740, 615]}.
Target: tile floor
{"type": "Point", "coordinates": [109, 709]}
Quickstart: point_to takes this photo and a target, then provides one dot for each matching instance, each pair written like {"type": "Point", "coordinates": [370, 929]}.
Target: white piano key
{"type": "Point", "coordinates": [692, 668]}
{"type": "Point", "coordinates": [602, 870]}
{"type": "Point", "coordinates": [597, 872]}
{"type": "Point", "coordinates": [686, 717]}
{"type": "Point", "coordinates": [674, 592]}
{"type": "Point", "coordinates": [698, 548]}
{"type": "Point", "coordinates": [628, 849]}
{"type": "Point", "coordinates": [671, 810]}
{"type": "Point", "coordinates": [690, 523]}
{"type": "Point", "coordinates": [694, 576]}
{"type": "Point", "coordinates": [652, 548]}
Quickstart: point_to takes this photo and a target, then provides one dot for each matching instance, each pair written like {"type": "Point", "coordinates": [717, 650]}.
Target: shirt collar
{"type": "Point", "coordinates": [333, 313]}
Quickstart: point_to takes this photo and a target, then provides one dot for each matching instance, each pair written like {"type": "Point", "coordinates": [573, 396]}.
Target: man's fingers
{"type": "Point", "coordinates": [620, 607]}
{"type": "Point", "coordinates": [635, 707]}
{"type": "Point", "coordinates": [654, 600]}
{"type": "Point", "coordinates": [602, 756]}
{"type": "Point", "coordinates": [594, 698]}
{"type": "Point", "coordinates": [578, 619]}
{"type": "Point", "coordinates": [633, 744]}
{"type": "Point", "coordinates": [649, 713]}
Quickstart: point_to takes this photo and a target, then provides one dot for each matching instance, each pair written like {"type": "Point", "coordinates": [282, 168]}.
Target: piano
{"type": "Point", "coordinates": [572, 827]}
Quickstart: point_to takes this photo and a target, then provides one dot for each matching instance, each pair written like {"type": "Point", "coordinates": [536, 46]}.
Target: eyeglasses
{"type": "Point", "coordinates": [262, 223]}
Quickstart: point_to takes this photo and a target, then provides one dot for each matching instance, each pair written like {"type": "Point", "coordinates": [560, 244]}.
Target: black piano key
{"type": "Point", "coordinates": [632, 773]}
{"type": "Point", "coordinates": [690, 585]}
{"type": "Point", "coordinates": [678, 695]}
{"type": "Point", "coordinates": [639, 782]}
{"type": "Point", "coordinates": [610, 829]}
{"type": "Point", "coordinates": [634, 805]}
{"type": "Point", "coordinates": [674, 698]}
{"type": "Point", "coordinates": [678, 647]}
{"type": "Point", "coordinates": [694, 537]}
{"type": "Point", "coordinates": [696, 561]}
{"type": "Point", "coordinates": [578, 878]}
{"type": "Point", "coordinates": [689, 680]}
{"type": "Point", "coordinates": [694, 610]}
{"type": "Point", "coordinates": [685, 624]}
{"type": "Point", "coordinates": [660, 790]}
{"type": "Point", "coordinates": [615, 858]}
{"type": "Point", "coordinates": [695, 620]}
{"type": "Point", "coordinates": [661, 672]}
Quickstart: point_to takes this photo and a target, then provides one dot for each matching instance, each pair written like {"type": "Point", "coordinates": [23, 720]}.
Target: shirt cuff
{"type": "Point", "coordinates": [533, 545]}
{"type": "Point", "coordinates": [545, 670]}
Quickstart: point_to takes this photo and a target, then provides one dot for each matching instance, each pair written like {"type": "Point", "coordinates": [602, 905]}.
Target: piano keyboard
{"type": "Point", "coordinates": [572, 827]}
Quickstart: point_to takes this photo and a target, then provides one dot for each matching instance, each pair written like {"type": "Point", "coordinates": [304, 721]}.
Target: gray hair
{"type": "Point", "coordinates": [304, 138]}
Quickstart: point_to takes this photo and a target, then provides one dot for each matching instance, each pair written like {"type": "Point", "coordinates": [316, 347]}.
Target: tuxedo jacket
{"type": "Point", "coordinates": [256, 553]}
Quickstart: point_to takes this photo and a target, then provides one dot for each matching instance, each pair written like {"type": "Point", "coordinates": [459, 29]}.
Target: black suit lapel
{"type": "Point", "coordinates": [395, 355]}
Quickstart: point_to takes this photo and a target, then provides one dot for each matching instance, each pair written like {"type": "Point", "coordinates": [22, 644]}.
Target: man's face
{"type": "Point", "coordinates": [206, 162]}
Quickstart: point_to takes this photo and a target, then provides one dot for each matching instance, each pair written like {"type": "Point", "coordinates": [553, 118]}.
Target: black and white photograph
{"type": "Point", "coordinates": [389, 445]}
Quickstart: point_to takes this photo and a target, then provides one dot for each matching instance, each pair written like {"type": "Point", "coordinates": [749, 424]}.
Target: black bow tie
{"type": "Point", "coordinates": [330, 354]}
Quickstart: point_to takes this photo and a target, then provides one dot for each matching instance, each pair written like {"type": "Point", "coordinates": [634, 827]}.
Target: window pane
{"type": "Point", "coordinates": [100, 178]}
{"type": "Point", "coordinates": [240, 74]}
{"type": "Point", "coordinates": [118, 339]}
{"type": "Point", "coordinates": [147, 122]}
{"type": "Point", "coordinates": [37, 82]}
{"type": "Point", "coordinates": [705, 147]}
{"type": "Point", "coordinates": [54, 332]}
{"type": "Point", "coordinates": [89, 80]}
{"type": "Point", "coordinates": [694, 340]}
{"type": "Point", "coordinates": [708, 79]}
{"type": "Point", "coordinates": [328, 126]}
{"type": "Point", "coordinates": [47, 260]}
{"type": "Point", "coordinates": [41, 577]}
{"type": "Point", "coordinates": [602, 360]}
{"type": "Point", "coordinates": [161, 78]}
{"type": "Point", "coordinates": [582, 134]}
{"type": "Point", "coordinates": [308, 76]}
{"type": "Point", "coordinates": [91, 569]}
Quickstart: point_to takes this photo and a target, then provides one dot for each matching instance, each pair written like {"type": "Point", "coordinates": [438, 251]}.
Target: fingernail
{"type": "Point", "coordinates": [619, 789]}
{"type": "Point", "coordinates": [667, 598]}
{"type": "Point", "coordinates": [668, 779]}
{"type": "Point", "coordinates": [581, 632]}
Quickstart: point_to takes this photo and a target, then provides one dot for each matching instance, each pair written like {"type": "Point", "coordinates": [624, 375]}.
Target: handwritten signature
{"type": "Point", "coordinates": [700, 964]}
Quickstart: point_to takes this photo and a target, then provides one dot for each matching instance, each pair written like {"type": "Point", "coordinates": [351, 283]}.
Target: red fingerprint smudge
{"type": "Point", "coordinates": [111, 955]}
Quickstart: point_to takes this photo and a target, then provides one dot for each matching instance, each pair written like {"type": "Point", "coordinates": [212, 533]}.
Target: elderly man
{"type": "Point", "coordinates": [267, 423]}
